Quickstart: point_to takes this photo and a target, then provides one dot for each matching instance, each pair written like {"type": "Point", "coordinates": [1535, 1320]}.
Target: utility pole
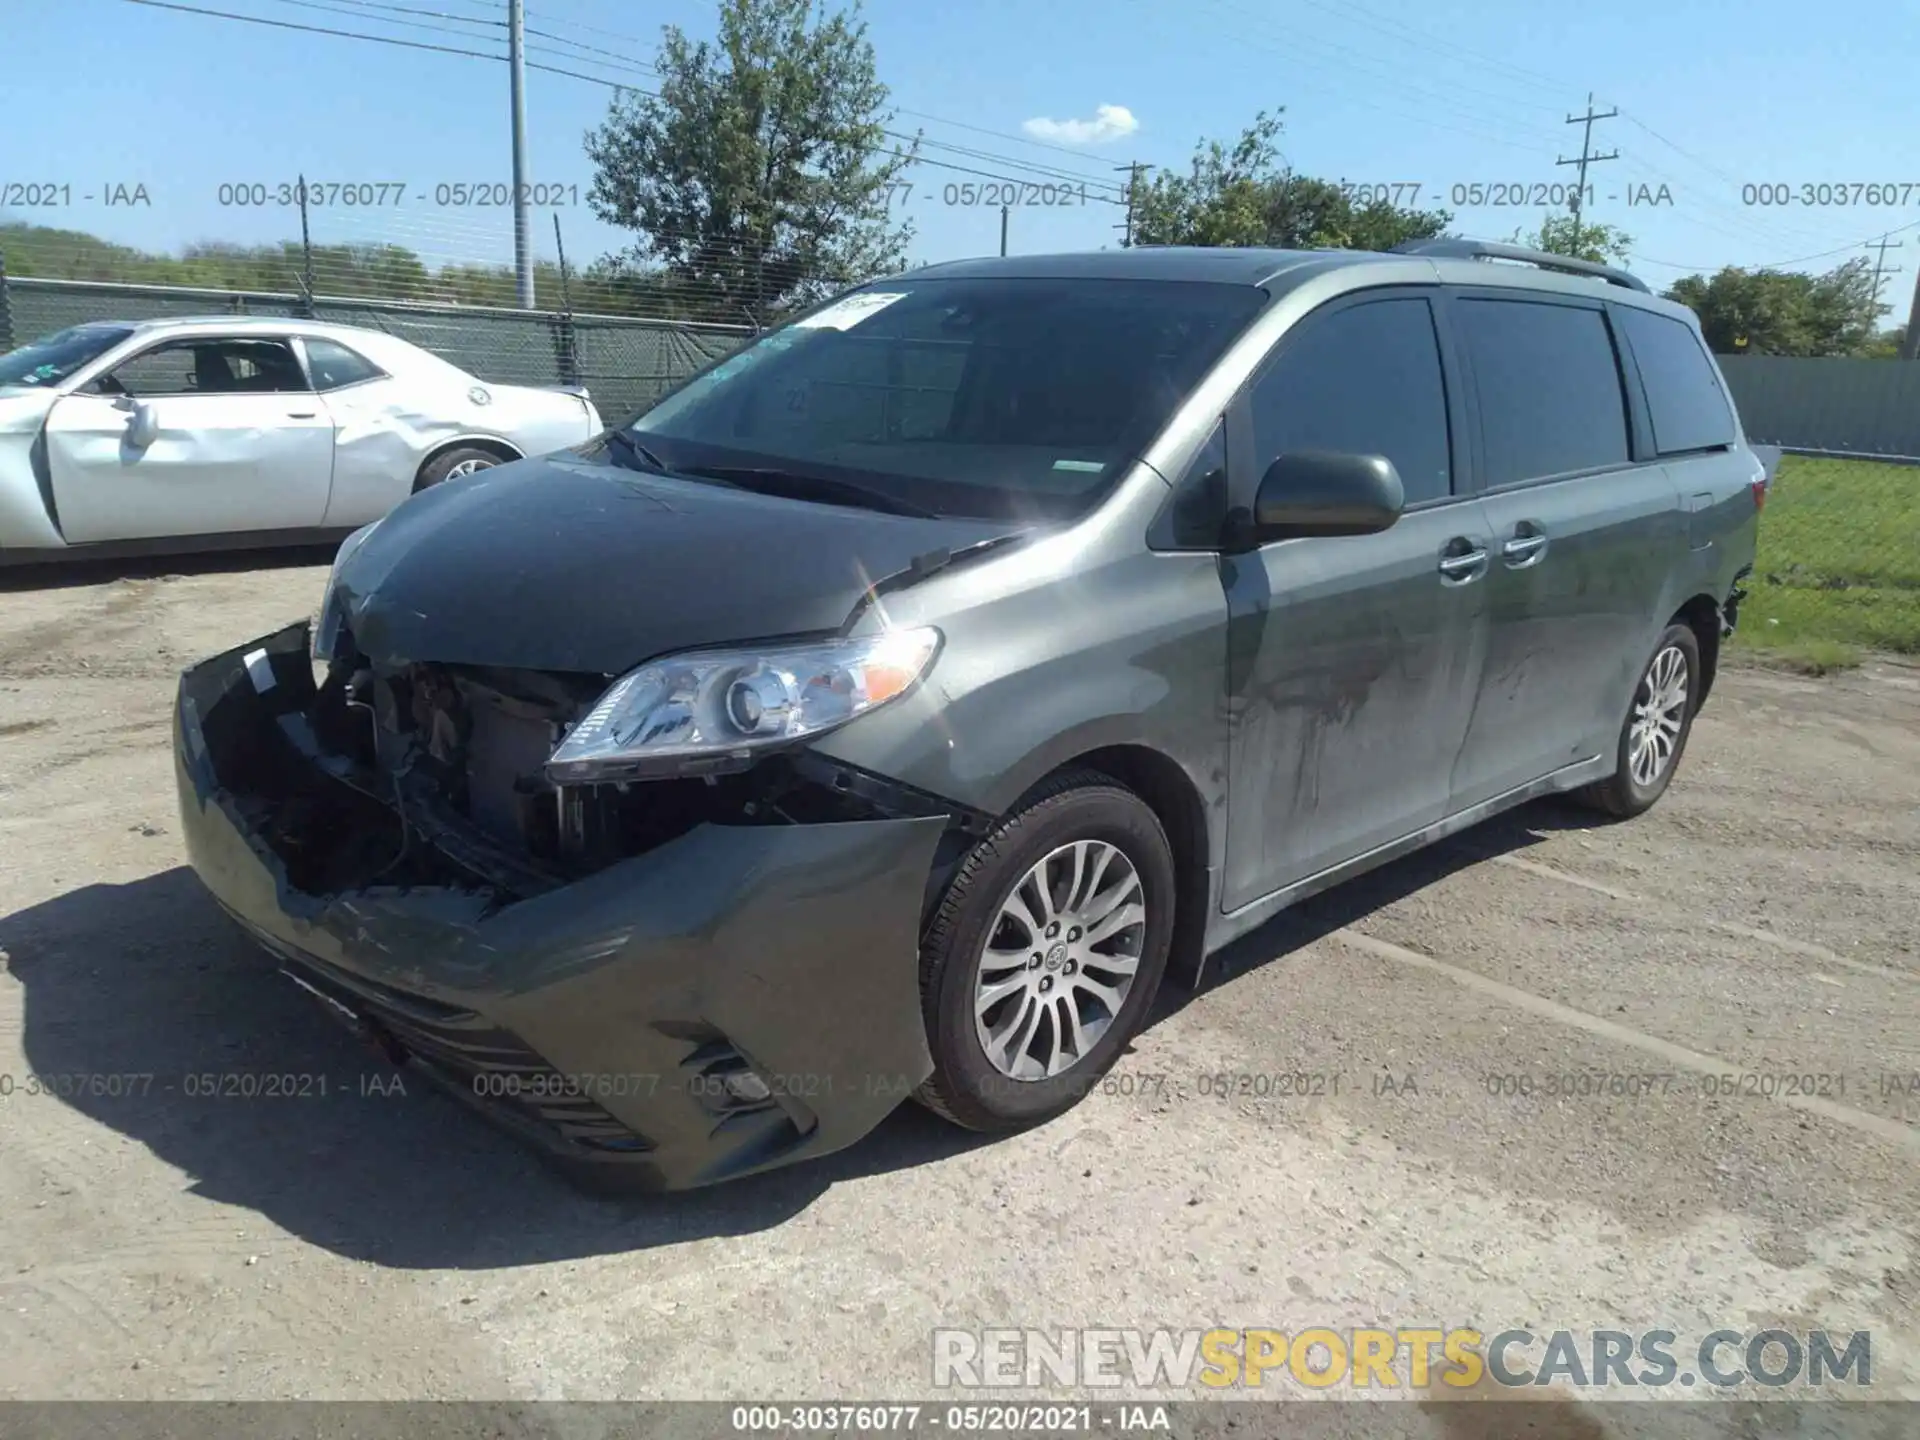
{"type": "Point", "coordinates": [522, 227]}
{"type": "Point", "coordinates": [569, 358]}
{"type": "Point", "coordinates": [1910, 347]}
{"type": "Point", "coordinates": [1586, 157]}
{"type": "Point", "coordinates": [1003, 230]}
{"type": "Point", "coordinates": [1125, 228]}
{"type": "Point", "coordinates": [306, 252]}
{"type": "Point", "coordinates": [1882, 245]}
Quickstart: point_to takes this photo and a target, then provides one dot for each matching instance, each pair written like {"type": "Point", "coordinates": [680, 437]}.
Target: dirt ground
{"type": "Point", "coordinates": [1763, 920]}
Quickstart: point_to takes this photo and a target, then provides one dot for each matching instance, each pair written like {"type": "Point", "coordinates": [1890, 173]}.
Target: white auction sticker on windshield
{"type": "Point", "coordinates": [847, 313]}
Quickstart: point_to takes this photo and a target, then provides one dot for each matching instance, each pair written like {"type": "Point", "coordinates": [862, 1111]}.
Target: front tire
{"type": "Point", "coordinates": [1046, 954]}
{"type": "Point", "coordinates": [1654, 735]}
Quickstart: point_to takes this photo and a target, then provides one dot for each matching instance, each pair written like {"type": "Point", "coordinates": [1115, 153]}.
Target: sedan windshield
{"type": "Point", "coordinates": [1015, 397]}
{"type": "Point", "coordinates": [53, 358]}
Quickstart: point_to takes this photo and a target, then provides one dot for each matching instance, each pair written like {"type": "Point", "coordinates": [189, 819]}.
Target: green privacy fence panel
{"type": "Point", "coordinates": [625, 362]}
{"type": "Point", "coordinates": [1868, 408]}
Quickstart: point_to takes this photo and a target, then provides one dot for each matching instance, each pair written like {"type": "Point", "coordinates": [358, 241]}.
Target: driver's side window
{"type": "Point", "coordinates": [206, 366]}
{"type": "Point", "coordinates": [1364, 379]}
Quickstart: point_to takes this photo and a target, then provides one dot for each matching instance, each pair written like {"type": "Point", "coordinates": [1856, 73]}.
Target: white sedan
{"type": "Point", "coordinates": [234, 431]}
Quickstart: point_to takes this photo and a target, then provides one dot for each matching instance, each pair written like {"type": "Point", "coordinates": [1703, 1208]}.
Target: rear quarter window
{"type": "Point", "coordinates": [1685, 402]}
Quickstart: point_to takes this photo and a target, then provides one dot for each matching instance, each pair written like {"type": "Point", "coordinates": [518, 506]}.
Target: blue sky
{"type": "Point", "coordinates": [1714, 96]}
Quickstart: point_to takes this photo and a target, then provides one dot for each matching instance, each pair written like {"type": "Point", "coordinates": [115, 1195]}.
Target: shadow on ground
{"type": "Point", "coordinates": [74, 574]}
{"type": "Point", "coordinates": [149, 979]}
{"type": "Point", "coordinates": [1320, 915]}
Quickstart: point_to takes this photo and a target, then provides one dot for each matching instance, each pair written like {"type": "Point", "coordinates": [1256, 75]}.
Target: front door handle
{"type": "Point", "coordinates": [1459, 566]}
{"type": "Point", "coordinates": [301, 414]}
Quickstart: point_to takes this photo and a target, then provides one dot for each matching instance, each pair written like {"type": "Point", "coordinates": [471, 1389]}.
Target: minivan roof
{"type": "Point", "coordinates": [1226, 265]}
{"type": "Point", "coordinates": [1281, 270]}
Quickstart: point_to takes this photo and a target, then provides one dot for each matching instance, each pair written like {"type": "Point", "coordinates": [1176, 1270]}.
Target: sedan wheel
{"type": "Point", "coordinates": [454, 464]}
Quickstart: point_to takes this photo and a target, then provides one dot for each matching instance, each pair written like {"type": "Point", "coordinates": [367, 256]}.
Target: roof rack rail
{"type": "Point", "coordinates": [1450, 249]}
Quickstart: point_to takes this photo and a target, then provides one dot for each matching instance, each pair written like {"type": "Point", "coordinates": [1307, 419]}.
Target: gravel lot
{"type": "Point", "coordinates": [1764, 919]}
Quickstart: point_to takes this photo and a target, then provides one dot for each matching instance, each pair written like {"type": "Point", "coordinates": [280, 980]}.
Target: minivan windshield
{"type": "Point", "coordinates": [51, 359]}
{"type": "Point", "coordinates": [1005, 396]}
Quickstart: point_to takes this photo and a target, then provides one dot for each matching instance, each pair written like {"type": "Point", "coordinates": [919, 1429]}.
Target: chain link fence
{"type": "Point", "coordinates": [625, 362]}
{"type": "Point", "coordinates": [1864, 408]}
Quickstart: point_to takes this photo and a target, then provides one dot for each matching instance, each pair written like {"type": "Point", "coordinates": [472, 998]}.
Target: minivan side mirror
{"type": "Point", "coordinates": [1319, 492]}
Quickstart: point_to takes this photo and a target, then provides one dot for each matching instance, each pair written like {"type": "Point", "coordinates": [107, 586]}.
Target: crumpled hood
{"type": "Point", "coordinates": [567, 564]}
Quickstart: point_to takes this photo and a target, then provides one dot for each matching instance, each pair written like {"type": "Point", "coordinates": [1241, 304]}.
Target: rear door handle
{"type": "Point", "coordinates": [301, 414]}
{"type": "Point", "coordinates": [1522, 549]}
{"type": "Point", "coordinates": [1461, 566]}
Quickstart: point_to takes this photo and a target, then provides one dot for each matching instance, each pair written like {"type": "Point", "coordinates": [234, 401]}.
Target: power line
{"type": "Point", "coordinates": [382, 9]}
{"type": "Point", "coordinates": [1431, 43]}
{"type": "Point", "coordinates": [314, 29]}
{"type": "Point", "coordinates": [1113, 199]}
{"type": "Point", "coordinates": [1369, 96]}
{"type": "Point", "coordinates": [633, 39]}
{"type": "Point", "coordinates": [1777, 264]}
{"type": "Point", "coordinates": [1055, 172]}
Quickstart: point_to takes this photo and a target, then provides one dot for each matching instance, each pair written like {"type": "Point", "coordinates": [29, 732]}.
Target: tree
{"type": "Point", "coordinates": [757, 175]}
{"type": "Point", "coordinates": [1785, 312]}
{"type": "Point", "coordinates": [1577, 239]}
{"type": "Point", "coordinates": [1247, 195]}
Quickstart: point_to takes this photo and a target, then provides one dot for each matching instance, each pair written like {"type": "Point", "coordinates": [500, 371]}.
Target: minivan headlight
{"type": "Point", "coordinates": [712, 710]}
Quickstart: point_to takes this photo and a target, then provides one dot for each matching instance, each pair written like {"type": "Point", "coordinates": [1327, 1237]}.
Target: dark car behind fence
{"type": "Point", "coordinates": [625, 362]}
{"type": "Point", "coordinates": [1864, 408]}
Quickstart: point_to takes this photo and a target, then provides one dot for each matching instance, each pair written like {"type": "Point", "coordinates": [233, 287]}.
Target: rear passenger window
{"type": "Point", "coordinates": [1684, 399]}
{"type": "Point", "coordinates": [1365, 380]}
{"type": "Point", "coordinates": [335, 366]}
{"type": "Point", "coordinates": [1549, 386]}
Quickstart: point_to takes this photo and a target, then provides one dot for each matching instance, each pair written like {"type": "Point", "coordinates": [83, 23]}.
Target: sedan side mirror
{"type": "Point", "coordinates": [142, 426]}
{"type": "Point", "coordinates": [1318, 492]}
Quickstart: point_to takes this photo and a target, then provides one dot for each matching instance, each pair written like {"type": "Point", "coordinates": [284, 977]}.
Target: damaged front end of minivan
{"type": "Point", "coordinates": [662, 980]}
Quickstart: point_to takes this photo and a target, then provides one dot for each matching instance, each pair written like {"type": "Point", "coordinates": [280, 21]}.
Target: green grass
{"type": "Point", "coordinates": [1839, 566]}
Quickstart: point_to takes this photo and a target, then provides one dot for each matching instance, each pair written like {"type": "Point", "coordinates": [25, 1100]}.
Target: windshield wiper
{"type": "Point", "coordinates": [639, 457]}
{"type": "Point", "coordinates": [794, 485]}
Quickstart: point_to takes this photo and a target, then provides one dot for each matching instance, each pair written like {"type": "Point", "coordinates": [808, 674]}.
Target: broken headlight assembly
{"type": "Point", "coordinates": [706, 712]}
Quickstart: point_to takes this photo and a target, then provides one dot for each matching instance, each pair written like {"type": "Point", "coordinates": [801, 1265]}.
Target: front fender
{"type": "Point", "coordinates": [28, 518]}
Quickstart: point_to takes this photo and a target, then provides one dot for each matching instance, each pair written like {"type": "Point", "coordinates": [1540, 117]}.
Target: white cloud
{"type": "Point", "coordinates": [1109, 122]}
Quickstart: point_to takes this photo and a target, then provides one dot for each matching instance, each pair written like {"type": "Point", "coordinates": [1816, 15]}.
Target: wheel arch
{"type": "Point", "coordinates": [1159, 780]}
{"type": "Point", "coordinates": [1701, 615]}
{"type": "Point", "coordinates": [506, 450]}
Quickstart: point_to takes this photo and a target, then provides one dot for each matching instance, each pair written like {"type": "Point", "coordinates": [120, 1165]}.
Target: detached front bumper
{"type": "Point", "coordinates": [735, 1000]}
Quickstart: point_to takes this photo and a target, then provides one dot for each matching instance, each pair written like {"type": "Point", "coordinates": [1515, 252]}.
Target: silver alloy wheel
{"type": "Point", "coordinates": [1059, 960]}
{"type": "Point", "coordinates": [1659, 710]}
{"type": "Point", "coordinates": [469, 467]}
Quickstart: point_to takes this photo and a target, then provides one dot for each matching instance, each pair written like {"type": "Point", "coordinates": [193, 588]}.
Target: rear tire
{"type": "Point", "coordinates": [1060, 920]}
{"type": "Point", "coordinates": [449, 464]}
{"type": "Point", "coordinates": [1654, 735]}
